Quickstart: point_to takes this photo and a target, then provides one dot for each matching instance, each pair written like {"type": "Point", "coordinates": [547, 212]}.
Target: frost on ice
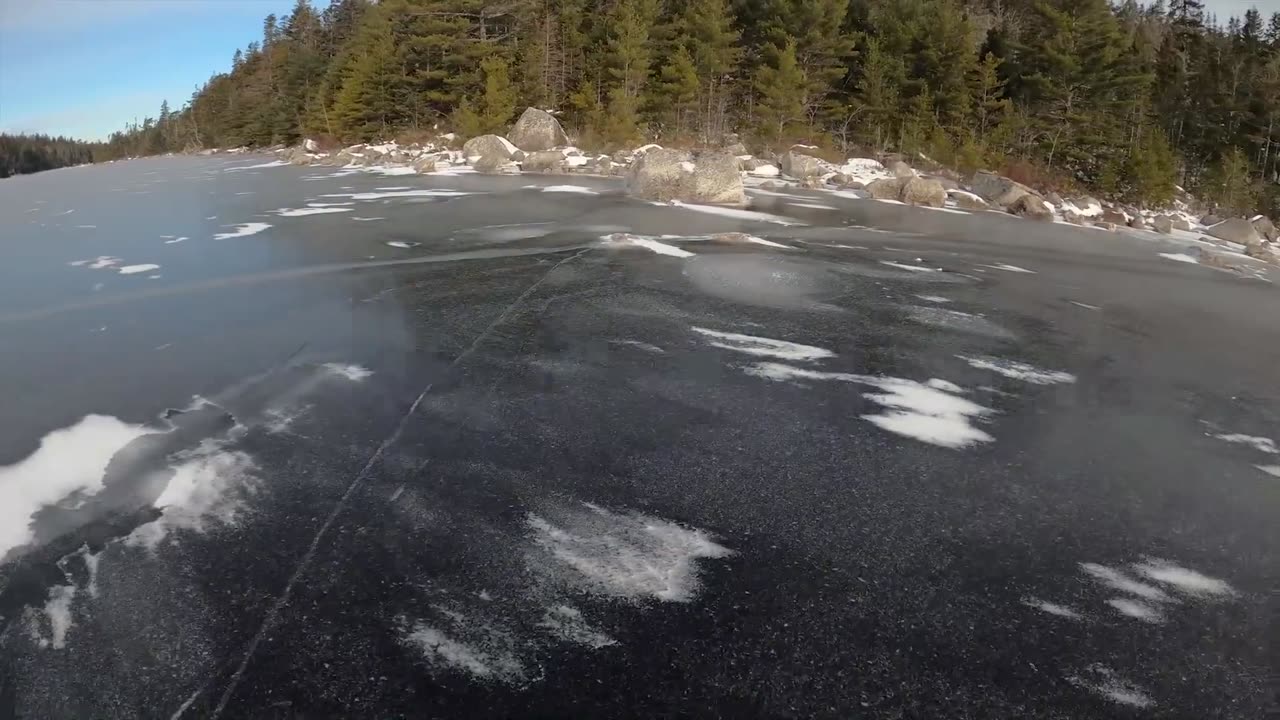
{"type": "Point", "coordinates": [1019, 371]}
{"type": "Point", "coordinates": [627, 556]}
{"type": "Point", "coordinates": [764, 347]}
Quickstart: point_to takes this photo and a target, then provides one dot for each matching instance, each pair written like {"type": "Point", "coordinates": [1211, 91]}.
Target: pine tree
{"type": "Point", "coordinates": [707, 35]}
{"type": "Point", "coordinates": [877, 94]}
{"type": "Point", "coordinates": [780, 86]}
{"type": "Point", "coordinates": [498, 103]}
{"type": "Point", "coordinates": [1151, 171]}
{"type": "Point", "coordinates": [675, 95]}
{"type": "Point", "coordinates": [1228, 183]}
{"type": "Point", "coordinates": [367, 105]}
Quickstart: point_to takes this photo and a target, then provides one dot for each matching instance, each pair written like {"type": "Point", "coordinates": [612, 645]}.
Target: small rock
{"type": "Point", "coordinates": [426, 163]}
{"type": "Point", "coordinates": [1073, 218]}
{"type": "Point", "coordinates": [543, 161]}
{"type": "Point", "coordinates": [737, 149]}
{"type": "Point", "coordinates": [1114, 217]}
{"type": "Point", "coordinates": [1181, 224]}
{"type": "Point", "coordinates": [493, 165]}
{"type": "Point", "coordinates": [1210, 219]}
{"type": "Point", "coordinates": [1104, 225]}
{"type": "Point", "coordinates": [854, 185]}
{"type": "Point", "coordinates": [1031, 207]}
{"type": "Point", "coordinates": [1136, 222]}
{"type": "Point", "coordinates": [1054, 198]}
{"type": "Point", "coordinates": [1163, 224]}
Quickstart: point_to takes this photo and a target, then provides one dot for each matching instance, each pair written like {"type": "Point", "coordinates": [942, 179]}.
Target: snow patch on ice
{"type": "Point", "coordinates": [354, 373]}
{"type": "Point", "coordinates": [737, 213]}
{"type": "Point", "coordinates": [441, 650]}
{"type": "Point", "coordinates": [922, 411]}
{"type": "Point", "coordinates": [628, 556]}
{"type": "Point", "coordinates": [1179, 257]}
{"type": "Point", "coordinates": [1137, 610]}
{"type": "Point", "coordinates": [1052, 608]}
{"type": "Point", "coordinates": [303, 212]}
{"type": "Point", "coordinates": [956, 320]}
{"type": "Point", "coordinates": [1183, 580]}
{"type": "Point", "coordinates": [1019, 371]}
{"type": "Point", "coordinates": [273, 163]}
{"type": "Point", "coordinates": [1009, 268]}
{"type": "Point", "coordinates": [401, 244]}
{"type": "Point", "coordinates": [135, 269]}
{"type": "Point", "coordinates": [175, 240]}
{"type": "Point", "coordinates": [764, 347]}
{"type": "Point", "coordinates": [649, 243]}
{"type": "Point", "coordinates": [567, 623]}
{"type": "Point", "coordinates": [1261, 444]}
{"type": "Point", "coordinates": [242, 230]}
{"type": "Point", "coordinates": [640, 345]}
{"type": "Point", "coordinates": [1121, 582]}
{"type": "Point", "coordinates": [1272, 470]}
{"type": "Point", "coordinates": [933, 298]}
{"type": "Point", "coordinates": [363, 196]}
{"type": "Point", "coordinates": [68, 461]}
{"type": "Point", "coordinates": [569, 189]}
{"type": "Point", "coordinates": [813, 206]}
{"type": "Point", "coordinates": [57, 613]}
{"type": "Point", "coordinates": [1104, 681]}
{"type": "Point", "coordinates": [912, 268]}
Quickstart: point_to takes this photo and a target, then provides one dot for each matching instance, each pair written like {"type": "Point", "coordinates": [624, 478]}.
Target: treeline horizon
{"type": "Point", "coordinates": [1127, 99]}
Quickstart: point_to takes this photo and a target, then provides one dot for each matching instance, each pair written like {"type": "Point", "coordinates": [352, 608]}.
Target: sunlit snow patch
{"type": "Point", "coordinates": [1009, 268]}
{"type": "Point", "coordinates": [1261, 444]}
{"type": "Point", "coordinates": [401, 244]}
{"type": "Point", "coordinates": [764, 347]}
{"type": "Point", "coordinates": [1117, 580]}
{"type": "Point", "coordinates": [1104, 681]}
{"type": "Point", "coordinates": [175, 240]}
{"type": "Point", "coordinates": [303, 212]}
{"type": "Point", "coordinates": [922, 411]}
{"type": "Point", "coordinates": [242, 230]}
{"type": "Point", "coordinates": [1179, 257]}
{"type": "Point", "coordinates": [737, 213]}
{"type": "Point", "coordinates": [568, 189]}
{"type": "Point", "coordinates": [273, 163]}
{"type": "Point", "coordinates": [628, 556]}
{"type": "Point", "coordinates": [57, 614]}
{"type": "Point", "coordinates": [400, 194]}
{"type": "Point", "coordinates": [1019, 371]}
{"type": "Point", "coordinates": [912, 268]}
{"type": "Point", "coordinates": [135, 269]}
{"type": "Point", "coordinates": [1052, 608]}
{"type": "Point", "coordinates": [69, 460]}
{"type": "Point", "coordinates": [648, 243]}
{"type": "Point", "coordinates": [354, 373]}
{"type": "Point", "coordinates": [1183, 580]}
{"type": "Point", "coordinates": [933, 298]}
{"type": "Point", "coordinates": [205, 486]}
{"type": "Point", "coordinates": [1137, 610]}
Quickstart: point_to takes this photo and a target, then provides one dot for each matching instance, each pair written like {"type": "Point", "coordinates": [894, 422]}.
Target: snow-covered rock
{"type": "Point", "coordinates": [537, 130]}
{"type": "Point", "coordinates": [310, 145]}
{"type": "Point", "coordinates": [766, 171]}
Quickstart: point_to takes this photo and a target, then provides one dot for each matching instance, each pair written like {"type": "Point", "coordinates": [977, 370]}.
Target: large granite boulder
{"type": "Point", "coordinates": [998, 190]}
{"type": "Point", "coordinates": [487, 146]}
{"type": "Point", "coordinates": [1236, 230]}
{"type": "Point", "coordinates": [900, 169]}
{"type": "Point", "coordinates": [715, 179]}
{"type": "Point", "coordinates": [923, 191]}
{"type": "Point", "coordinates": [1163, 224]}
{"type": "Point", "coordinates": [1264, 227]}
{"type": "Point", "coordinates": [886, 188]}
{"type": "Point", "coordinates": [537, 130]}
{"type": "Point", "coordinates": [426, 163]}
{"type": "Point", "coordinates": [800, 166]}
{"type": "Point", "coordinates": [666, 175]}
{"type": "Point", "coordinates": [659, 174]}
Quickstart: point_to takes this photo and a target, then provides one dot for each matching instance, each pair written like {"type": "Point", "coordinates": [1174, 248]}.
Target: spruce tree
{"type": "Point", "coordinates": [780, 87]}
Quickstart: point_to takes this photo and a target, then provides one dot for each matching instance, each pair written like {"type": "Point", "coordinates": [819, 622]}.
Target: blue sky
{"type": "Point", "coordinates": [86, 67]}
